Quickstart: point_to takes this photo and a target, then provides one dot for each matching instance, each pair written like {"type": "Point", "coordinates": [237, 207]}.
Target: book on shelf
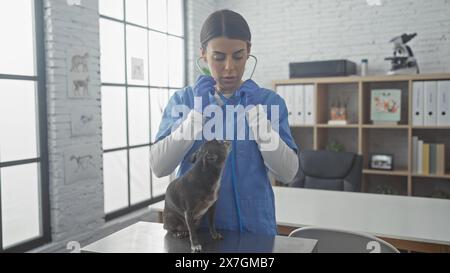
{"type": "Point", "coordinates": [440, 157]}
{"type": "Point", "coordinates": [420, 157]}
{"type": "Point", "coordinates": [415, 144]}
{"type": "Point", "coordinates": [428, 158]}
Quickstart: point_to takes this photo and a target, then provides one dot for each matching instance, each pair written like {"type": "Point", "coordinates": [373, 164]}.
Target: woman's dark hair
{"type": "Point", "coordinates": [225, 23]}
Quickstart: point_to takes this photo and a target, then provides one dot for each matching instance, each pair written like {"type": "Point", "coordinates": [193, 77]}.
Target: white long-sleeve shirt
{"type": "Point", "coordinates": [281, 161]}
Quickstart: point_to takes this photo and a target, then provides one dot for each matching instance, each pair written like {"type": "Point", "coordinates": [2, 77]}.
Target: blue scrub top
{"type": "Point", "coordinates": [255, 194]}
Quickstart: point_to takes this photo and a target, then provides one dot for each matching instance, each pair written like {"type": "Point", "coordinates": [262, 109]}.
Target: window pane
{"type": "Point", "coordinates": [17, 43]}
{"type": "Point", "coordinates": [115, 179]}
{"type": "Point", "coordinates": [160, 185]}
{"type": "Point", "coordinates": [140, 175]}
{"type": "Point", "coordinates": [158, 102]}
{"type": "Point", "coordinates": [158, 99]}
{"type": "Point", "coordinates": [114, 117]}
{"type": "Point", "coordinates": [18, 133]}
{"type": "Point", "coordinates": [176, 62]}
{"type": "Point", "coordinates": [159, 69]}
{"type": "Point", "coordinates": [112, 46]}
{"type": "Point", "coordinates": [137, 55]}
{"type": "Point", "coordinates": [137, 12]}
{"type": "Point", "coordinates": [157, 15]}
{"type": "Point", "coordinates": [21, 204]}
{"type": "Point", "coordinates": [176, 25]}
{"type": "Point", "coordinates": [138, 116]}
{"type": "Point", "coordinates": [111, 8]}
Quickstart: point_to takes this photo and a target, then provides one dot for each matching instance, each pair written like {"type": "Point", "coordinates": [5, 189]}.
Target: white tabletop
{"type": "Point", "coordinates": [398, 217]}
{"type": "Point", "coordinates": [144, 237]}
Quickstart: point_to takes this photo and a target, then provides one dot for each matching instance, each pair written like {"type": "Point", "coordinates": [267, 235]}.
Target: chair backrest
{"type": "Point", "coordinates": [339, 241]}
{"type": "Point", "coordinates": [339, 171]}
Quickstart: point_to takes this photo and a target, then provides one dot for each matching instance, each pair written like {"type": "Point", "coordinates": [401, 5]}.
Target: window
{"type": "Point", "coordinates": [142, 64]}
{"type": "Point", "coordinates": [24, 192]}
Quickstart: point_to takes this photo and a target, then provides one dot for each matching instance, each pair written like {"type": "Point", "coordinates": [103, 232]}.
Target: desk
{"type": "Point", "coordinates": [409, 223]}
{"type": "Point", "coordinates": [146, 237]}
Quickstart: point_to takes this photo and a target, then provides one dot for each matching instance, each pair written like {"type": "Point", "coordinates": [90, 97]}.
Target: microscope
{"type": "Point", "coordinates": [403, 61]}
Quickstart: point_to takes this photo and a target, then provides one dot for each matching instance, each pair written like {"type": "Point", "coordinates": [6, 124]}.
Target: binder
{"type": "Point", "coordinates": [299, 93]}
{"type": "Point", "coordinates": [310, 105]}
{"type": "Point", "coordinates": [430, 118]}
{"type": "Point", "coordinates": [281, 92]}
{"type": "Point", "coordinates": [426, 159]}
{"type": "Point", "coordinates": [443, 111]}
{"type": "Point", "coordinates": [415, 146]}
{"type": "Point", "coordinates": [420, 157]}
{"type": "Point", "coordinates": [289, 98]}
{"type": "Point", "coordinates": [418, 103]}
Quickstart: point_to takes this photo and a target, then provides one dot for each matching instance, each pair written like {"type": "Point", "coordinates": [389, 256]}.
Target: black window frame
{"type": "Point", "coordinates": [131, 208]}
{"type": "Point", "coordinates": [42, 160]}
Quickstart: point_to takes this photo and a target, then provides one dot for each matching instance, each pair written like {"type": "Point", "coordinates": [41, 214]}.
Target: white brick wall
{"type": "Point", "coordinates": [197, 12]}
{"type": "Point", "coordinates": [76, 208]}
{"type": "Point", "coordinates": [303, 30]}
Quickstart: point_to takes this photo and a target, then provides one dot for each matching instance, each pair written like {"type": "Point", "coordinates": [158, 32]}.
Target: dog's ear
{"type": "Point", "coordinates": [194, 157]}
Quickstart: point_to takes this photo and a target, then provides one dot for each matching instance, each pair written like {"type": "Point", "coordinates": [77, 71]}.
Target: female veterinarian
{"type": "Point", "coordinates": [246, 199]}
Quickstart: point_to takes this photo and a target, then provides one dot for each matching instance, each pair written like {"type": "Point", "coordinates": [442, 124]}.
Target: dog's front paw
{"type": "Point", "coordinates": [217, 236]}
{"type": "Point", "coordinates": [196, 248]}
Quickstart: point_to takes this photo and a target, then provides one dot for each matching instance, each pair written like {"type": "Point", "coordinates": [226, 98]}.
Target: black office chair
{"type": "Point", "coordinates": [338, 171]}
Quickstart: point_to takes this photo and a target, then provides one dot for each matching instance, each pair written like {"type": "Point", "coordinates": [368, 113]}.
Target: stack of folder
{"type": "Point", "coordinates": [301, 103]}
{"type": "Point", "coordinates": [431, 103]}
{"type": "Point", "coordinates": [428, 158]}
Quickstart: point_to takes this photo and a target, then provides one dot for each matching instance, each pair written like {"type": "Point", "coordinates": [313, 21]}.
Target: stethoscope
{"type": "Point", "coordinates": [222, 100]}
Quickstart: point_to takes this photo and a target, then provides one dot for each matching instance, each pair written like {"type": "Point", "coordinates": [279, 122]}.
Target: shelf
{"type": "Point", "coordinates": [337, 126]}
{"type": "Point", "coordinates": [381, 172]}
{"type": "Point", "coordinates": [382, 141]}
{"type": "Point", "coordinates": [431, 188]}
{"type": "Point", "coordinates": [443, 176]}
{"type": "Point", "coordinates": [303, 137]}
{"type": "Point", "coordinates": [371, 126]}
{"type": "Point", "coordinates": [366, 79]}
{"type": "Point", "coordinates": [363, 137]}
{"type": "Point", "coordinates": [302, 126]}
{"type": "Point", "coordinates": [389, 184]}
{"type": "Point", "coordinates": [346, 136]}
{"type": "Point", "coordinates": [432, 127]}
{"type": "Point", "coordinates": [332, 94]}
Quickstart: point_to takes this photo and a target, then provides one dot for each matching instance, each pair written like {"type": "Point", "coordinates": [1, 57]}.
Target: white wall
{"type": "Point", "coordinates": [76, 208]}
{"type": "Point", "coordinates": [303, 30]}
{"type": "Point", "coordinates": [197, 12]}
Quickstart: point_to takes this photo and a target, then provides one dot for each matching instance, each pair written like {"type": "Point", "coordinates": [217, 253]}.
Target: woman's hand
{"type": "Point", "coordinates": [202, 89]}
{"type": "Point", "coordinates": [250, 91]}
